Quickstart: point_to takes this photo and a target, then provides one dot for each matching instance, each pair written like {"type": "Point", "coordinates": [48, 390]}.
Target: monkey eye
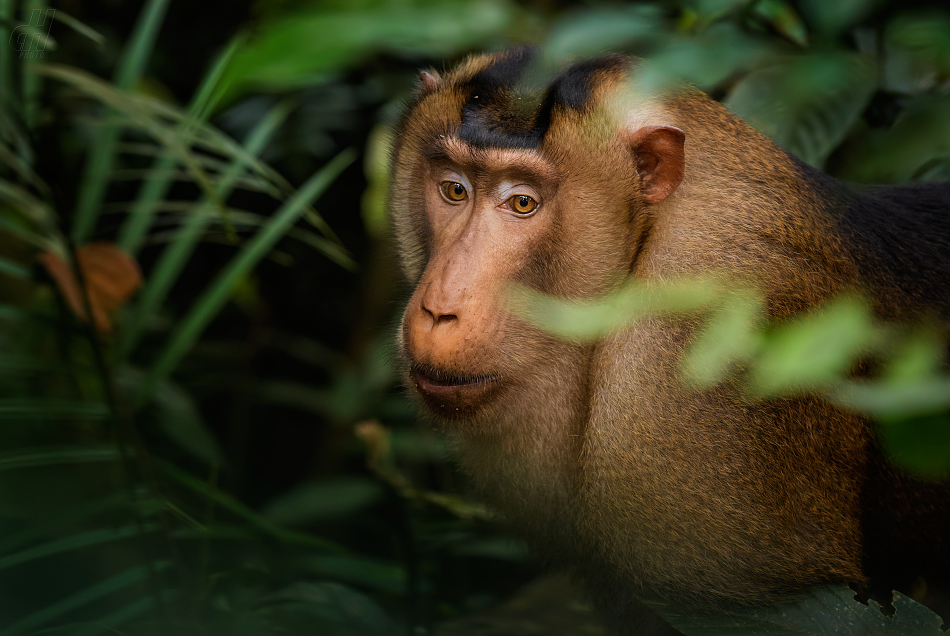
{"type": "Point", "coordinates": [522, 204]}
{"type": "Point", "coordinates": [453, 191]}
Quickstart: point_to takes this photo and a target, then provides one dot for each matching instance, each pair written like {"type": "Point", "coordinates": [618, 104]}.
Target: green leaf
{"type": "Point", "coordinates": [591, 320]}
{"type": "Point", "coordinates": [301, 49]}
{"type": "Point", "coordinates": [56, 455]}
{"type": "Point", "coordinates": [781, 16]}
{"type": "Point", "coordinates": [806, 104]}
{"type": "Point", "coordinates": [597, 29]}
{"type": "Point", "coordinates": [321, 500]}
{"type": "Point", "coordinates": [46, 408]}
{"type": "Point", "coordinates": [139, 219]}
{"type": "Point", "coordinates": [357, 570]}
{"type": "Point", "coordinates": [84, 597]}
{"type": "Point", "coordinates": [253, 251]}
{"type": "Point", "coordinates": [829, 611]}
{"type": "Point", "coordinates": [99, 163]}
{"type": "Point", "coordinates": [328, 609]}
{"type": "Point", "coordinates": [731, 335]}
{"type": "Point", "coordinates": [174, 257]}
{"type": "Point", "coordinates": [920, 134]}
{"type": "Point", "coordinates": [816, 349]}
{"type": "Point", "coordinates": [72, 542]}
{"type": "Point", "coordinates": [832, 17]}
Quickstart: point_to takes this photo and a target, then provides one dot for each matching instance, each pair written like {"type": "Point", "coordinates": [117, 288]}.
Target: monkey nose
{"type": "Point", "coordinates": [440, 316]}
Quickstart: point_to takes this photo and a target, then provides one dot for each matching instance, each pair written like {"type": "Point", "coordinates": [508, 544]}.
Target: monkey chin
{"type": "Point", "coordinates": [450, 395]}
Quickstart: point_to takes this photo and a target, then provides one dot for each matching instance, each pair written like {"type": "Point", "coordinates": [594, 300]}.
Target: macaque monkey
{"type": "Point", "coordinates": [598, 454]}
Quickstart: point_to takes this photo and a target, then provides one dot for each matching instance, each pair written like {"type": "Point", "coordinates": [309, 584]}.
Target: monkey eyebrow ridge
{"type": "Point", "coordinates": [514, 161]}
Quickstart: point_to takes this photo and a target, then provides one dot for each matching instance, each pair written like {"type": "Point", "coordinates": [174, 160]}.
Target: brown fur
{"type": "Point", "coordinates": [597, 453]}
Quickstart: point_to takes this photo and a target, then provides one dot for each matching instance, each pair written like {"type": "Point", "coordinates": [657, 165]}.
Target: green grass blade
{"type": "Point", "coordinates": [232, 505]}
{"type": "Point", "coordinates": [217, 294]}
{"type": "Point", "coordinates": [139, 219]}
{"type": "Point", "coordinates": [14, 269]}
{"type": "Point", "coordinates": [25, 408]}
{"type": "Point", "coordinates": [53, 456]}
{"type": "Point", "coordinates": [7, 96]}
{"type": "Point", "coordinates": [73, 542]}
{"type": "Point", "coordinates": [80, 27]}
{"type": "Point", "coordinates": [174, 257]}
{"type": "Point", "coordinates": [100, 160]}
{"type": "Point", "coordinates": [88, 595]}
{"type": "Point", "coordinates": [30, 80]}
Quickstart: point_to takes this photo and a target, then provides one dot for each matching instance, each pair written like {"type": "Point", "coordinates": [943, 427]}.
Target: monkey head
{"type": "Point", "coordinates": [493, 185]}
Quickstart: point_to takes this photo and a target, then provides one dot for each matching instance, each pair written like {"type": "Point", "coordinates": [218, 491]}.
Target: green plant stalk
{"type": "Point", "coordinates": [211, 302]}
{"type": "Point", "coordinates": [139, 219]}
{"type": "Point", "coordinates": [174, 257]}
{"type": "Point", "coordinates": [102, 157]}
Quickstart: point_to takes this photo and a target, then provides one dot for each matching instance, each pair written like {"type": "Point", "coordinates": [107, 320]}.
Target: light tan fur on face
{"type": "Point", "coordinates": [598, 454]}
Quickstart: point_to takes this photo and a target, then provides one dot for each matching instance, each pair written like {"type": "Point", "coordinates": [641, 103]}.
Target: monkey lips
{"type": "Point", "coordinates": [452, 395]}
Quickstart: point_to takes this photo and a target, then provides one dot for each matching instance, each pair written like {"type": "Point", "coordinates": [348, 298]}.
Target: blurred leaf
{"type": "Point", "coordinates": [357, 570]}
{"type": "Point", "coordinates": [250, 254]}
{"type": "Point", "coordinates": [88, 595]}
{"type": "Point", "coordinates": [781, 16]}
{"type": "Point", "coordinates": [111, 277]}
{"type": "Point", "coordinates": [229, 503]}
{"type": "Point", "coordinates": [43, 408]}
{"type": "Point", "coordinates": [182, 423]}
{"type": "Point", "coordinates": [590, 320]}
{"type": "Point", "coordinates": [73, 542]}
{"type": "Point", "coordinates": [328, 609]}
{"type": "Point", "coordinates": [829, 611]}
{"type": "Point", "coordinates": [55, 455]}
{"type": "Point", "coordinates": [731, 335]}
{"type": "Point", "coordinates": [893, 400]}
{"type": "Point", "coordinates": [897, 154]}
{"type": "Point", "coordinates": [815, 349]}
{"type": "Point", "coordinates": [920, 445]}
{"type": "Point", "coordinates": [806, 104]}
{"type": "Point", "coordinates": [584, 33]}
{"type": "Point", "coordinates": [832, 17]}
{"type": "Point", "coordinates": [925, 37]}
{"type": "Point", "coordinates": [705, 60]}
{"type": "Point", "coordinates": [297, 50]}
{"type": "Point", "coordinates": [376, 169]}
{"type": "Point", "coordinates": [156, 186]}
{"type": "Point", "coordinates": [174, 257]}
{"type": "Point", "coordinates": [321, 500]}
{"type": "Point", "coordinates": [102, 155]}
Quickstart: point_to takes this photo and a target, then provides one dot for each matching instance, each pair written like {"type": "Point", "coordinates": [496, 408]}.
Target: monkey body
{"type": "Point", "coordinates": [597, 453]}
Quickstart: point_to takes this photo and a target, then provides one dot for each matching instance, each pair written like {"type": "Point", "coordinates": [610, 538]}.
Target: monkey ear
{"type": "Point", "coordinates": [661, 161]}
{"type": "Point", "coordinates": [428, 82]}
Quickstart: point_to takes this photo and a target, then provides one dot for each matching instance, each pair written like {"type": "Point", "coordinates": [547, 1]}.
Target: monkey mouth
{"type": "Point", "coordinates": [452, 395]}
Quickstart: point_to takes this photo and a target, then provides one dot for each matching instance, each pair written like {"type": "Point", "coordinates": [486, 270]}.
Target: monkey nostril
{"type": "Point", "coordinates": [445, 318]}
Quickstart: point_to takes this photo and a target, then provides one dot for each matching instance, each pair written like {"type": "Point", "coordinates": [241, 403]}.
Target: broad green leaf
{"type": "Point", "coordinates": [925, 36]}
{"type": "Point", "coordinates": [832, 17]}
{"type": "Point", "coordinates": [321, 500]}
{"type": "Point", "coordinates": [829, 611]}
{"type": "Point", "coordinates": [814, 350]}
{"type": "Point", "coordinates": [581, 34]}
{"type": "Point", "coordinates": [806, 104]}
{"type": "Point", "coordinates": [590, 320]}
{"type": "Point", "coordinates": [782, 17]}
{"type": "Point", "coordinates": [920, 134]}
{"type": "Point", "coordinates": [731, 335]}
{"type": "Point", "coordinates": [301, 49]}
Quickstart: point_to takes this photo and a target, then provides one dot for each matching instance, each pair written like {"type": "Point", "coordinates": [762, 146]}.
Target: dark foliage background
{"type": "Point", "coordinates": [228, 450]}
